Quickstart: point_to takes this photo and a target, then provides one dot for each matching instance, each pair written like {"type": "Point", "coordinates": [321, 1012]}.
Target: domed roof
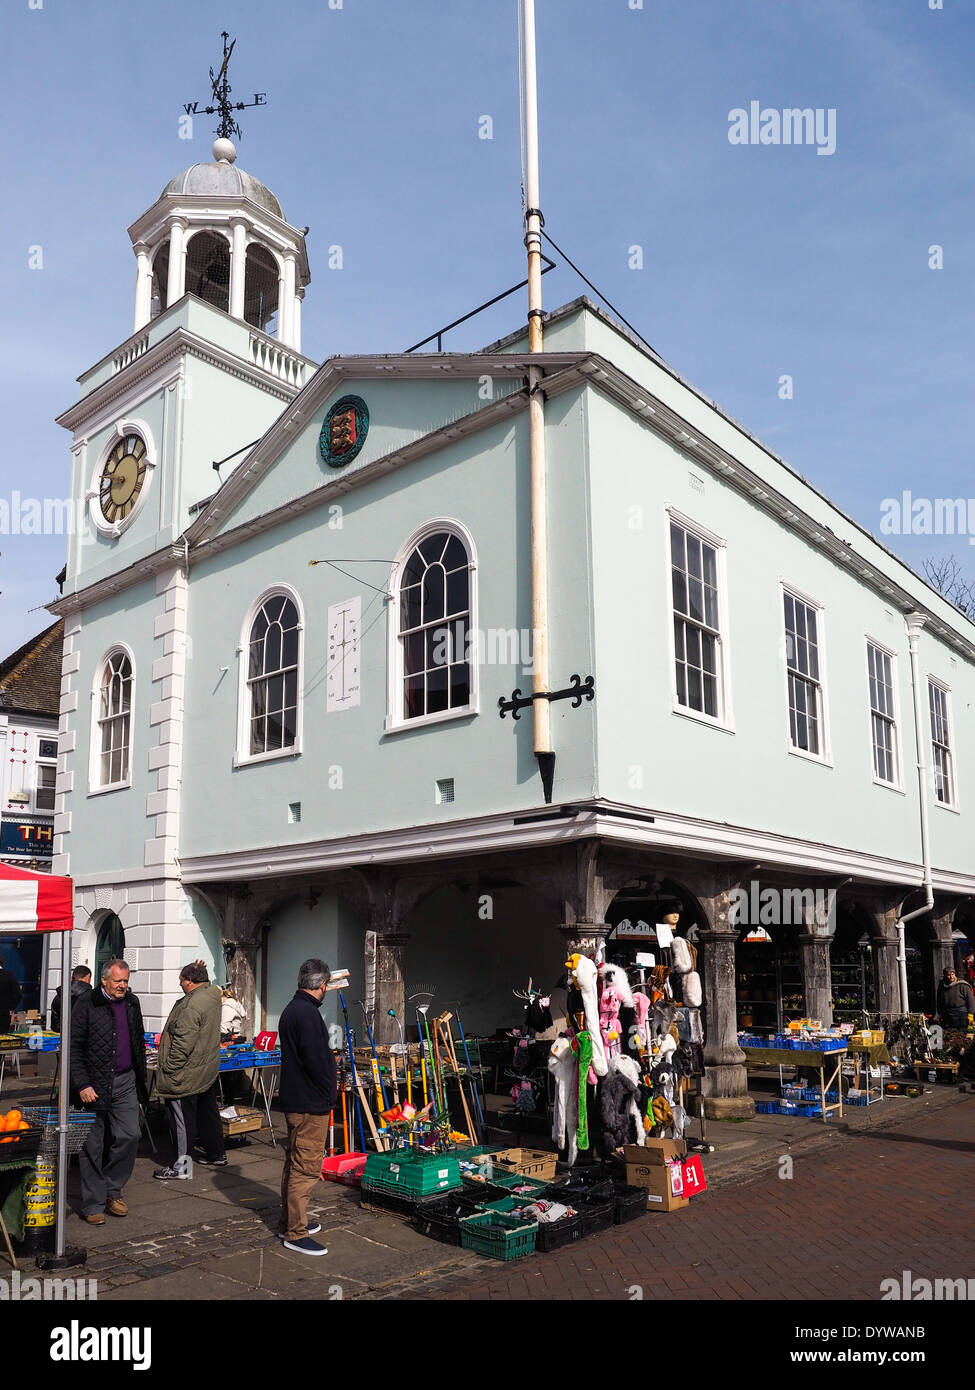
{"type": "Point", "coordinates": [223, 179]}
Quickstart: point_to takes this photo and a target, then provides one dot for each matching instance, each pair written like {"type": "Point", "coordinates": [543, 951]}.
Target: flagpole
{"type": "Point", "coordinates": [542, 735]}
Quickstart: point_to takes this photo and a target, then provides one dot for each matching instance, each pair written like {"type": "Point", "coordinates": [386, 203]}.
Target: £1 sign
{"type": "Point", "coordinates": [694, 1179]}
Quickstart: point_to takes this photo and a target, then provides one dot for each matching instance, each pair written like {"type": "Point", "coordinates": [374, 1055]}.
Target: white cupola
{"type": "Point", "coordinates": [218, 233]}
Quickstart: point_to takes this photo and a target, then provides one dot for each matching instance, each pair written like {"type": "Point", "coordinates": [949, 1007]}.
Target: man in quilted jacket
{"type": "Point", "coordinates": [189, 1060]}
{"type": "Point", "coordinates": [108, 1073]}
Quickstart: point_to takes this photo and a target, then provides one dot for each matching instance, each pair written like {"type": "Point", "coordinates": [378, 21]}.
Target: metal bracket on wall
{"type": "Point", "coordinates": [578, 691]}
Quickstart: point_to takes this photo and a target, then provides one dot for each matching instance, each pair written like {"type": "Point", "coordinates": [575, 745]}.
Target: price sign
{"type": "Point", "coordinates": [694, 1179]}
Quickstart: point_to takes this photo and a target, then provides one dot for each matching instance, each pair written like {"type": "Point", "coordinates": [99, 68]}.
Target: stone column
{"type": "Point", "coordinates": [725, 1083]}
{"type": "Point", "coordinates": [143, 286]}
{"type": "Point", "coordinates": [583, 938]}
{"type": "Point", "coordinates": [176, 284]}
{"type": "Point", "coordinates": [296, 326]}
{"type": "Point", "coordinates": [816, 976]}
{"type": "Point", "coordinates": [390, 986]}
{"type": "Point", "coordinates": [886, 980]}
{"type": "Point", "coordinates": [286, 301]}
{"type": "Point", "coordinates": [238, 267]}
{"type": "Point", "coordinates": [941, 948]}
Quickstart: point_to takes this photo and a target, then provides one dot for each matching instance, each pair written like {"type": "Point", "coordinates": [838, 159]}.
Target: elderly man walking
{"type": "Point", "coordinates": [189, 1061]}
{"type": "Point", "coordinates": [308, 1086]}
{"type": "Point", "coordinates": [108, 1073]}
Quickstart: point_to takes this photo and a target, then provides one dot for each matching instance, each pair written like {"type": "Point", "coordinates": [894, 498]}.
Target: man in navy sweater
{"type": "Point", "coordinates": [308, 1088]}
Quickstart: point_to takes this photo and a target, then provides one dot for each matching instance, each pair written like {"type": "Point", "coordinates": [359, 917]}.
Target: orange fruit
{"type": "Point", "coordinates": [12, 1120]}
{"type": "Point", "coordinates": [23, 1125]}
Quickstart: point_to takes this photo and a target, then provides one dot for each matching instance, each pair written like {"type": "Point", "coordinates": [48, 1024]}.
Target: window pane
{"type": "Point", "coordinates": [681, 683]}
{"type": "Point", "coordinates": [275, 733]}
{"type": "Point", "coordinates": [414, 702]}
{"type": "Point", "coordinates": [710, 695]}
{"type": "Point", "coordinates": [433, 547]}
{"type": "Point", "coordinates": [695, 600]}
{"type": "Point", "coordinates": [437, 690]}
{"type": "Point", "coordinates": [680, 591]}
{"type": "Point", "coordinates": [457, 592]}
{"type": "Point", "coordinates": [413, 570]}
{"type": "Point", "coordinates": [679, 639]}
{"type": "Point", "coordinates": [694, 568]}
{"type": "Point", "coordinates": [677, 547]}
{"type": "Point", "coordinates": [710, 565]}
{"type": "Point", "coordinates": [460, 685]}
{"type": "Point", "coordinates": [434, 594]}
{"type": "Point", "coordinates": [272, 649]}
{"type": "Point", "coordinates": [289, 653]}
{"type": "Point", "coordinates": [291, 690]}
{"type": "Point", "coordinates": [694, 688]}
{"type": "Point", "coordinates": [455, 556]}
{"type": "Point", "coordinates": [413, 649]}
{"type": "Point", "coordinates": [275, 694]}
{"type": "Point", "coordinates": [409, 608]}
{"type": "Point", "coordinates": [257, 735]}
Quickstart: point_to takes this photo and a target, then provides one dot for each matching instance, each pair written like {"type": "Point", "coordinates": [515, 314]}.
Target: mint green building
{"type": "Point", "coordinates": [282, 730]}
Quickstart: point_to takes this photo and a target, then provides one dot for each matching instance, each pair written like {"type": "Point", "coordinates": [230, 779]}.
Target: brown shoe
{"type": "Point", "coordinates": [95, 1218]}
{"type": "Point", "coordinates": [116, 1206]}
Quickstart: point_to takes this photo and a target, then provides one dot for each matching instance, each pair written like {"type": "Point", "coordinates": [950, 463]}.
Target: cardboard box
{"type": "Point", "coordinates": [657, 1182]}
{"type": "Point", "coordinates": [246, 1122]}
{"type": "Point", "coordinates": [655, 1151]}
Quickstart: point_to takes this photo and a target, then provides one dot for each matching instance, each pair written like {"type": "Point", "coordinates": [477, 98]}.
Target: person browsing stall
{"type": "Point", "coordinates": [189, 1061]}
{"type": "Point", "coordinates": [307, 1093]}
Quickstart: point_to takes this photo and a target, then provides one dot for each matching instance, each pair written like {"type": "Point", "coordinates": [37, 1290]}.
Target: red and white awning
{"type": "Point", "coordinates": [34, 902]}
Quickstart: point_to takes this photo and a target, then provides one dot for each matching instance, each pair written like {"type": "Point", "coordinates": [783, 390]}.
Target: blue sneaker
{"type": "Point", "coordinates": [305, 1246]}
{"type": "Point", "coordinates": [313, 1228]}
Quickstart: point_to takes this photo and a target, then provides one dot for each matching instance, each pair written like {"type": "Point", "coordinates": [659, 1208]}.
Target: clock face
{"type": "Point", "coordinates": [123, 478]}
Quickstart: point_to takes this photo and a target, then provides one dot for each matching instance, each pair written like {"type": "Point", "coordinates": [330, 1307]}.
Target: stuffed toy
{"type": "Point", "coordinates": [663, 1017]}
{"type": "Point", "coordinates": [618, 1093]}
{"type": "Point", "coordinates": [680, 954]}
{"type": "Point", "coordinates": [610, 1003]}
{"type": "Point", "coordinates": [582, 972]}
{"type": "Point", "coordinates": [692, 990]}
{"type": "Point", "coordinates": [562, 1065]}
{"type": "Point", "coordinates": [641, 1037]}
{"type": "Point", "coordinates": [615, 977]}
{"type": "Point", "coordinates": [582, 1044]}
{"type": "Point", "coordinates": [662, 1113]}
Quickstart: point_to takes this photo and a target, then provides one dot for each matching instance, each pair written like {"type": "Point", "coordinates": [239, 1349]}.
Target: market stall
{"type": "Point", "coordinates": [32, 902]}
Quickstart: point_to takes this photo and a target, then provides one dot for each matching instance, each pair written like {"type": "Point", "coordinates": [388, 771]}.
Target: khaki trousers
{"type": "Point", "coordinates": [303, 1156]}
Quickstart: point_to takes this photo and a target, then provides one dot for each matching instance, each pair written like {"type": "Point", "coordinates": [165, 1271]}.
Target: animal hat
{"type": "Point", "coordinates": [583, 971]}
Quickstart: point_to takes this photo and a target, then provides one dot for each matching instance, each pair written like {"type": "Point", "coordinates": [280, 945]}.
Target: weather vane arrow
{"type": "Point", "coordinates": [220, 84]}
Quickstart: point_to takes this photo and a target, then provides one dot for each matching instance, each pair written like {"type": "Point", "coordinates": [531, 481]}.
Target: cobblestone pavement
{"type": "Point", "coordinates": [853, 1212]}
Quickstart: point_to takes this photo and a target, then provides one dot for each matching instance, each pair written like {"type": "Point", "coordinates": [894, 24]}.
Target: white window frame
{"type": "Point", "coordinates": [121, 428]}
{"type": "Point", "coordinates": [243, 757]}
{"type": "Point", "coordinates": [395, 720]}
{"type": "Point", "coordinates": [40, 762]}
{"type": "Point", "coordinates": [725, 717]}
{"type": "Point", "coordinates": [825, 755]}
{"type": "Point", "coordinates": [898, 784]}
{"type": "Point", "coordinates": [95, 785]}
{"type": "Point", "coordinates": [954, 804]}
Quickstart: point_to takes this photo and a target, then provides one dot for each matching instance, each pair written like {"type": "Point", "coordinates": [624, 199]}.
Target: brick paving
{"type": "Point", "coordinates": [875, 1204]}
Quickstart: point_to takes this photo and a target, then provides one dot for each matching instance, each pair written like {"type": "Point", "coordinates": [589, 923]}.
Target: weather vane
{"type": "Point", "coordinates": [221, 96]}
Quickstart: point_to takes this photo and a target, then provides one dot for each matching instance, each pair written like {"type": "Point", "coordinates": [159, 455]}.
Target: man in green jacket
{"type": "Point", "coordinates": [189, 1060]}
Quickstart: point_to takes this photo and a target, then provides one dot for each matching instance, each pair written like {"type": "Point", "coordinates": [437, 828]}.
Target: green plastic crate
{"type": "Point", "coordinates": [412, 1174]}
{"type": "Point", "coordinates": [509, 1180]}
{"type": "Point", "coordinates": [498, 1235]}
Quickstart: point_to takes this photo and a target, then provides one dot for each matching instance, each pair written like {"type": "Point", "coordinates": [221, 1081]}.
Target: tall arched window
{"type": "Point", "coordinates": [208, 268]}
{"type": "Point", "coordinates": [272, 697]}
{"type": "Point", "coordinates": [434, 656]}
{"type": "Point", "coordinates": [113, 720]}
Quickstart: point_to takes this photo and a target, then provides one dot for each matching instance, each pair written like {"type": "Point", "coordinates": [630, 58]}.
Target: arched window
{"type": "Point", "coordinates": [113, 718]}
{"type": "Point", "coordinates": [208, 268]}
{"type": "Point", "coordinates": [110, 944]}
{"type": "Point", "coordinates": [434, 658]}
{"type": "Point", "coordinates": [272, 697]}
{"type": "Point", "coordinates": [260, 288]}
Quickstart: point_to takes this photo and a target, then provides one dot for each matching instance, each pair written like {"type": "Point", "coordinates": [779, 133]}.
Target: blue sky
{"type": "Point", "coordinates": [758, 261]}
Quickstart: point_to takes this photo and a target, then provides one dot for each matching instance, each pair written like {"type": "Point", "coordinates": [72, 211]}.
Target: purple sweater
{"type": "Point", "coordinates": [123, 1043]}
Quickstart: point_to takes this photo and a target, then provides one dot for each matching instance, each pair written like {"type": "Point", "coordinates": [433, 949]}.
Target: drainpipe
{"type": "Point", "coordinates": [541, 709]}
{"type": "Point", "coordinates": [915, 622]}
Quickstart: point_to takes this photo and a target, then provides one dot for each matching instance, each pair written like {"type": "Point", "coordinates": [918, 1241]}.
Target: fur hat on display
{"type": "Point", "coordinates": [583, 972]}
{"type": "Point", "coordinates": [618, 1094]}
{"type": "Point", "coordinates": [563, 1067]}
{"type": "Point", "coordinates": [615, 976]}
{"type": "Point", "coordinates": [680, 954]}
{"type": "Point", "coordinates": [663, 1017]}
{"type": "Point", "coordinates": [662, 1113]}
{"type": "Point", "coordinates": [676, 984]}
{"type": "Point", "coordinates": [641, 1007]}
{"type": "Point", "coordinates": [692, 990]}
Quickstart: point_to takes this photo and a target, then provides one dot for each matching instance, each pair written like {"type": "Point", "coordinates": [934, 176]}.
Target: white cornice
{"type": "Point", "coordinates": [181, 340]}
{"type": "Point", "coordinates": [680, 836]}
{"type": "Point", "coordinates": [136, 573]}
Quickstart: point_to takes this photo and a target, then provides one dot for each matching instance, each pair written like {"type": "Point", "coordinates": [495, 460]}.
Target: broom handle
{"type": "Point", "coordinates": [355, 1078]}
{"type": "Point", "coordinates": [470, 1073]}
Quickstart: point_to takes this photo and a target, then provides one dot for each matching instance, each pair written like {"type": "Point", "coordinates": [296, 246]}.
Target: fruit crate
{"type": "Point", "coordinates": [266, 1059]}
{"type": "Point", "coordinates": [440, 1218]}
{"type": "Point", "coordinates": [20, 1143]}
{"type": "Point", "coordinates": [236, 1061]}
{"type": "Point", "coordinates": [860, 1100]}
{"type": "Point", "coordinates": [530, 1163]}
{"type": "Point", "coordinates": [526, 1186]}
{"type": "Point", "coordinates": [811, 1093]}
{"type": "Point", "coordinates": [411, 1174]}
{"type": "Point", "coordinates": [498, 1235]}
{"type": "Point", "coordinates": [766, 1107]}
{"type": "Point", "coordinates": [552, 1235]}
{"type": "Point", "coordinates": [630, 1204]}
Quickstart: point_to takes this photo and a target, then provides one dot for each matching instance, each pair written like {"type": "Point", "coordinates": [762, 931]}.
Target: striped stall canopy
{"type": "Point", "coordinates": [34, 902]}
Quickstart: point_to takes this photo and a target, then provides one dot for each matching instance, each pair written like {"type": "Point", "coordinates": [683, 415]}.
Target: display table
{"type": "Point", "coordinates": [875, 1053]}
{"type": "Point", "coordinates": [828, 1064]}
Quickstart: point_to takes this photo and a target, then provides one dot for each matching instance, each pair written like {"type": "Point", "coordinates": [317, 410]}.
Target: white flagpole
{"type": "Point", "coordinates": [536, 415]}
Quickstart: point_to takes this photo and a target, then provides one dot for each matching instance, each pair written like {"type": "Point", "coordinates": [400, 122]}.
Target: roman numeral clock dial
{"type": "Point", "coordinates": [122, 479]}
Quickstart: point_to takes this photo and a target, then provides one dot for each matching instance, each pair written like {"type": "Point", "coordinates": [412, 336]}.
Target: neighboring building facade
{"type": "Point", "coordinates": [30, 694]}
{"type": "Point", "coordinates": [279, 734]}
